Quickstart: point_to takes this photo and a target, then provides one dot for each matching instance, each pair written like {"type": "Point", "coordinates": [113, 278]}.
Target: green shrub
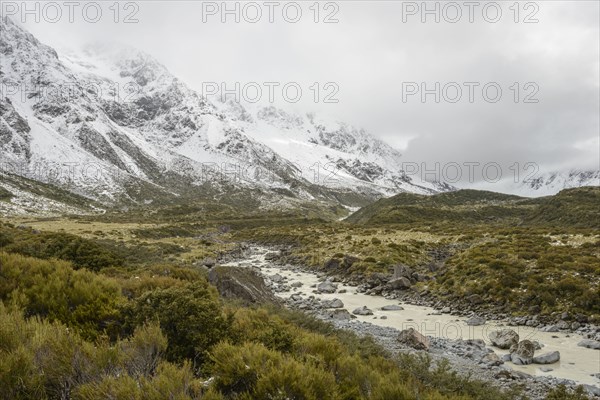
{"type": "Point", "coordinates": [83, 253]}
{"type": "Point", "coordinates": [190, 316]}
{"type": "Point", "coordinates": [254, 371]}
{"type": "Point", "coordinates": [81, 299]}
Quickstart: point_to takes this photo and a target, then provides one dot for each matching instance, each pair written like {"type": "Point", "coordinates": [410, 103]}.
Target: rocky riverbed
{"type": "Point", "coordinates": [505, 352]}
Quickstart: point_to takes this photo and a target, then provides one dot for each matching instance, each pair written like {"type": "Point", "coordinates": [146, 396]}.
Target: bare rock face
{"type": "Point", "coordinates": [414, 339]}
{"type": "Point", "coordinates": [504, 338]}
{"type": "Point", "coordinates": [241, 283]}
{"type": "Point", "coordinates": [522, 353]}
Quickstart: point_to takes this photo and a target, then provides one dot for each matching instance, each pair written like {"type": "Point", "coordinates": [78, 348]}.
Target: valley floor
{"type": "Point", "coordinates": [467, 348]}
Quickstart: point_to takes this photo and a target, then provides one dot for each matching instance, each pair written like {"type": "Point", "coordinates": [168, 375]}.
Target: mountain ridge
{"type": "Point", "coordinates": [123, 112]}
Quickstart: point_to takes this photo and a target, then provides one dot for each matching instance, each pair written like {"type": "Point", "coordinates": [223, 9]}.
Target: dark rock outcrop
{"type": "Point", "coordinates": [414, 339]}
{"type": "Point", "coordinates": [241, 283]}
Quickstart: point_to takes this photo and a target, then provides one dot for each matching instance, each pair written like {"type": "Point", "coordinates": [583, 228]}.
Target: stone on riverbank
{"type": "Point", "coordinates": [504, 338]}
{"type": "Point", "coordinates": [547, 358]}
{"type": "Point", "coordinates": [334, 303]}
{"type": "Point", "coordinates": [414, 339]}
{"type": "Point", "coordinates": [327, 287]}
{"type": "Point", "coordinates": [475, 321]}
{"type": "Point", "coordinates": [401, 283]}
{"type": "Point", "coordinates": [339, 314]}
{"type": "Point", "coordinates": [392, 307]}
{"type": "Point", "coordinates": [590, 344]}
{"type": "Point", "coordinates": [522, 353]}
{"type": "Point", "coordinates": [362, 311]}
{"type": "Point", "coordinates": [241, 283]}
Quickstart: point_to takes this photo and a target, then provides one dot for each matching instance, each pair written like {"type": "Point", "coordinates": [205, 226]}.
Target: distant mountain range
{"type": "Point", "coordinates": [112, 126]}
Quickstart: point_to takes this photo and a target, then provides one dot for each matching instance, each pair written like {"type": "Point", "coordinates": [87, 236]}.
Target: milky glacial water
{"type": "Point", "coordinates": [576, 363]}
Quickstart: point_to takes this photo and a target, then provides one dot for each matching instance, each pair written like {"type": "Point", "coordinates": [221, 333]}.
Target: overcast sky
{"type": "Point", "coordinates": [373, 53]}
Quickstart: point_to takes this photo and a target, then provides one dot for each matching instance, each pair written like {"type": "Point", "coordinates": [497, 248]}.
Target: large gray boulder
{"type": "Point", "coordinates": [475, 321]}
{"type": "Point", "coordinates": [334, 303]}
{"type": "Point", "coordinates": [550, 328]}
{"type": "Point", "coordinates": [362, 311]}
{"type": "Point", "coordinates": [522, 353]}
{"type": "Point", "coordinates": [590, 344]}
{"type": "Point", "coordinates": [504, 338]}
{"type": "Point", "coordinates": [241, 283]}
{"type": "Point", "coordinates": [547, 358]}
{"type": "Point", "coordinates": [414, 339]}
{"type": "Point", "coordinates": [327, 287]}
{"type": "Point", "coordinates": [339, 314]}
{"type": "Point", "coordinates": [401, 283]}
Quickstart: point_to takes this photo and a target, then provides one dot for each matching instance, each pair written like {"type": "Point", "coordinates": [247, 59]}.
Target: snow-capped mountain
{"type": "Point", "coordinates": [550, 183]}
{"type": "Point", "coordinates": [111, 123]}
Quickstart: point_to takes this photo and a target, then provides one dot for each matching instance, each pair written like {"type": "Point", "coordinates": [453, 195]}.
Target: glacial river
{"type": "Point", "coordinates": [576, 363]}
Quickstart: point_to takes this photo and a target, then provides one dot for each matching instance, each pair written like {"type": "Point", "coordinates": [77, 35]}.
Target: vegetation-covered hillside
{"type": "Point", "coordinates": [579, 207]}
{"type": "Point", "coordinates": [102, 327]}
{"type": "Point", "coordinates": [119, 306]}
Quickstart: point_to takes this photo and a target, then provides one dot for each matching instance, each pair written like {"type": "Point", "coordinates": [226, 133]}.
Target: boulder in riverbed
{"type": "Point", "coordinates": [475, 321]}
{"type": "Point", "coordinates": [522, 353]}
{"type": "Point", "coordinates": [334, 303]}
{"type": "Point", "coordinates": [392, 307]}
{"type": "Point", "coordinates": [590, 344]}
{"type": "Point", "coordinates": [362, 311]}
{"type": "Point", "coordinates": [414, 339]}
{"type": "Point", "coordinates": [504, 338]}
{"type": "Point", "coordinates": [547, 358]}
{"type": "Point", "coordinates": [550, 328]}
{"type": "Point", "coordinates": [327, 287]}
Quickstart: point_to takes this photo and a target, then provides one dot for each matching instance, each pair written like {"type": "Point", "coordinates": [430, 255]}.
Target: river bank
{"type": "Point", "coordinates": [465, 345]}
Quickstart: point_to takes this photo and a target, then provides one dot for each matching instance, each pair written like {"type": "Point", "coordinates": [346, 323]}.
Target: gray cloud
{"type": "Point", "coordinates": [371, 52]}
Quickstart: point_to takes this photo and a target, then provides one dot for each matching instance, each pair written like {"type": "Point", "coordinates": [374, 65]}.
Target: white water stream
{"type": "Point", "coordinates": [576, 363]}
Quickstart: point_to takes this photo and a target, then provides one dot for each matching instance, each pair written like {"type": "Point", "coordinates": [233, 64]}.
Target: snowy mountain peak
{"type": "Point", "coordinates": [126, 113]}
{"type": "Point", "coordinates": [550, 183]}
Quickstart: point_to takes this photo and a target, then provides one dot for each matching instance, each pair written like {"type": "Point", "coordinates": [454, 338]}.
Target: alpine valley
{"type": "Point", "coordinates": [155, 244]}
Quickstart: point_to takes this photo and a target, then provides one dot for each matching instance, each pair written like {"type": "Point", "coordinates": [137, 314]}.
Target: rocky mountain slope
{"type": "Point", "coordinates": [552, 182]}
{"type": "Point", "coordinates": [114, 125]}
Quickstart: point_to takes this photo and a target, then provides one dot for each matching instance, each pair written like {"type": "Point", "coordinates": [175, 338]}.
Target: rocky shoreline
{"type": "Point", "coordinates": [466, 357]}
{"type": "Point", "coordinates": [401, 287]}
